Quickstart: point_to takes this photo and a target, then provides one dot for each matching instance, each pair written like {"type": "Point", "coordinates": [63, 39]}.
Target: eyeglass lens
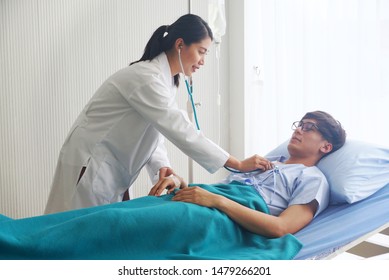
{"type": "Point", "coordinates": [305, 126]}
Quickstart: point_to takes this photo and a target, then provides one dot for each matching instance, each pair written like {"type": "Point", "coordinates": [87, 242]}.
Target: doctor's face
{"type": "Point", "coordinates": [193, 56]}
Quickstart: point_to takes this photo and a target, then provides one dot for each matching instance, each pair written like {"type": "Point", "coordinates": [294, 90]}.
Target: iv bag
{"type": "Point", "coordinates": [217, 19]}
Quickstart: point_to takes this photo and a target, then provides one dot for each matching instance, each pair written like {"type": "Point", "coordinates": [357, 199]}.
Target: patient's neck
{"type": "Point", "coordinates": [304, 161]}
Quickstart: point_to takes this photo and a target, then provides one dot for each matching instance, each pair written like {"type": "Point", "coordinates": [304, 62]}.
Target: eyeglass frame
{"type": "Point", "coordinates": [301, 124]}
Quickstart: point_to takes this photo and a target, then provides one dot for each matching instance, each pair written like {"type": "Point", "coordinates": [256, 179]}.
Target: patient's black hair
{"type": "Point", "coordinates": [330, 128]}
{"type": "Point", "coordinates": [191, 28]}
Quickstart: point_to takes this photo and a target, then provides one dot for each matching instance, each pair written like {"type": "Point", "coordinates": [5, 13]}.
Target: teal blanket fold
{"type": "Point", "coordinates": [145, 228]}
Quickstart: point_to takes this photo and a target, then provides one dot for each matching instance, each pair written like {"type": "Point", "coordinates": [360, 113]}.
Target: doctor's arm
{"type": "Point", "coordinates": [160, 109]}
{"type": "Point", "coordinates": [290, 220]}
{"type": "Point", "coordinates": [159, 166]}
{"type": "Point", "coordinates": [249, 164]}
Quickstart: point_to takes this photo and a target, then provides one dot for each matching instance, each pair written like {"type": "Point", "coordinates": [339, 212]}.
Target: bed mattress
{"type": "Point", "coordinates": [340, 225]}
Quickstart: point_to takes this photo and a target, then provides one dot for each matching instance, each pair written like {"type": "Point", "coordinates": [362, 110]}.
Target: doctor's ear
{"type": "Point", "coordinates": [179, 43]}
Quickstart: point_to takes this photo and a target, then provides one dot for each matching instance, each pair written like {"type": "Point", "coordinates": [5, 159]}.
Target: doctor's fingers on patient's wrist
{"type": "Point", "coordinates": [156, 187]}
{"type": "Point", "coordinates": [152, 191]}
{"type": "Point", "coordinates": [165, 184]}
{"type": "Point", "coordinates": [160, 189]}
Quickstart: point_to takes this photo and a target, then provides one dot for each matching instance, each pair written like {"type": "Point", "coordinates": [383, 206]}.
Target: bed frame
{"type": "Point", "coordinates": [374, 245]}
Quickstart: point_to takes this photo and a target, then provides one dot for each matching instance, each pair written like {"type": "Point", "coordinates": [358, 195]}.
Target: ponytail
{"type": "Point", "coordinates": [154, 45]}
{"type": "Point", "coordinates": [190, 28]}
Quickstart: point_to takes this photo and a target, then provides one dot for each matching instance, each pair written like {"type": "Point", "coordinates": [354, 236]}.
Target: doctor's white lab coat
{"type": "Point", "coordinates": [120, 131]}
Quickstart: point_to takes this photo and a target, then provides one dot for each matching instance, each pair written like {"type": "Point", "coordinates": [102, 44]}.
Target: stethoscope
{"type": "Point", "coordinates": [189, 89]}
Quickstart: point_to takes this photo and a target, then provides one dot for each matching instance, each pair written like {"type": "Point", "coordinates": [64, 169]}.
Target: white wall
{"type": "Point", "coordinates": [248, 104]}
{"type": "Point", "coordinates": [317, 55]}
{"type": "Point", "coordinates": [312, 55]}
{"type": "Point", "coordinates": [53, 56]}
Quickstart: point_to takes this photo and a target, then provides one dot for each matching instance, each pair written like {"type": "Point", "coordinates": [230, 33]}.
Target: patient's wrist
{"type": "Point", "coordinates": [176, 180]}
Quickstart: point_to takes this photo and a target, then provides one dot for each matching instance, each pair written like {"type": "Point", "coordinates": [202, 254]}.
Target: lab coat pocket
{"type": "Point", "coordinates": [111, 180]}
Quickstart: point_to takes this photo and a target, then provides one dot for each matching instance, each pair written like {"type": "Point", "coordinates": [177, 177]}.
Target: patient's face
{"type": "Point", "coordinates": [306, 142]}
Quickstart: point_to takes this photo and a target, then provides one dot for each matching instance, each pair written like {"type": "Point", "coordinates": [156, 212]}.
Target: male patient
{"type": "Point", "coordinates": [187, 223]}
{"type": "Point", "coordinates": [294, 189]}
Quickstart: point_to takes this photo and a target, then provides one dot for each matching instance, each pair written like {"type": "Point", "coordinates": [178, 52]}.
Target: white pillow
{"type": "Point", "coordinates": [354, 172]}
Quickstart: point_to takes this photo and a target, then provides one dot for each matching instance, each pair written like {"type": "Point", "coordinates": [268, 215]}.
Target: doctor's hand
{"type": "Point", "coordinates": [165, 172]}
{"type": "Point", "coordinates": [255, 162]}
{"type": "Point", "coordinates": [168, 183]}
{"type": "Point", "coordinates": [249, 164]}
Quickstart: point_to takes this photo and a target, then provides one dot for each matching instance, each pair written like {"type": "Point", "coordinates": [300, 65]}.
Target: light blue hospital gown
{"type": "Point", "coordinates": [286, 185]}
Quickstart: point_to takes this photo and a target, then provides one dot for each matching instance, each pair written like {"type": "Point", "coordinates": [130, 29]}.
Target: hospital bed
{"type": "Point", "coordinates": [358, 213]}
{"type": "Point", "coordinates": [341, 225]}
{"type": "Point", "coordinates": [358, 175]}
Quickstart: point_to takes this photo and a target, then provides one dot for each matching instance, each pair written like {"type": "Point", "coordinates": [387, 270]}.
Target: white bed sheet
{"type": "Point", "coordinates": [339, 225]}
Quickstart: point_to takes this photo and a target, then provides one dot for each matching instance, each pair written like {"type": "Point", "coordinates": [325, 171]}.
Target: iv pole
{"type": "Point", "coordinates": [190, 114]}
{"type": "Point", "coordinates": [216, 10]}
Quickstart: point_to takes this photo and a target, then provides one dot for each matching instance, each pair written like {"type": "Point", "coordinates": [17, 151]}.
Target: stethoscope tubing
{"type": "Point", "coordinates": [189, 89]}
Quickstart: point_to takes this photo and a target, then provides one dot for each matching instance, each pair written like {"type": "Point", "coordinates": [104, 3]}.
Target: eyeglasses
{"type": "Point", "coordinates": [305, 126]}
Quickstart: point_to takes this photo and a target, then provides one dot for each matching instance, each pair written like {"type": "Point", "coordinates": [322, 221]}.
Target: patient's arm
{"type": "Point", "coordinates": [291, 220]}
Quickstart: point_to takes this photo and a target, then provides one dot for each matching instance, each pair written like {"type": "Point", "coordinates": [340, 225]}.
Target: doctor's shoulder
{"type": "Point", "coordinates": [134, 75]}
{"type": "Point", "coordinates": [140, 78]}
{"type": "Point", "coordinates": [143, 70]}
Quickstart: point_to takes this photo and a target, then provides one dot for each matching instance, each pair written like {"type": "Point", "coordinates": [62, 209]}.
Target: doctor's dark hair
{"type": "Point", "coordinates": [330, 129]}
{"type": "Point", "coordinates": [191, 28]}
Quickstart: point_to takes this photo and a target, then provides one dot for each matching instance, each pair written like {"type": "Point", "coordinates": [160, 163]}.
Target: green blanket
{"type": "Point", "coordinates": [144, 228]}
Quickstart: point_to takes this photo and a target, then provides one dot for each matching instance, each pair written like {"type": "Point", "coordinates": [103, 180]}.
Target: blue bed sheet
{"type": "Point", "coordinates": [341, 224]}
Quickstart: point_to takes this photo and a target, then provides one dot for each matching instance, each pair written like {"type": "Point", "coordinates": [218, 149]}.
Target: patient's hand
{"type": "Point", "coordinates": [197, 196]}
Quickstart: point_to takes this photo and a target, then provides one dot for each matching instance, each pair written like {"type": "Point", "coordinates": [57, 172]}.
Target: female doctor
{"type": "Point", "coordinates": [122, 128]}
